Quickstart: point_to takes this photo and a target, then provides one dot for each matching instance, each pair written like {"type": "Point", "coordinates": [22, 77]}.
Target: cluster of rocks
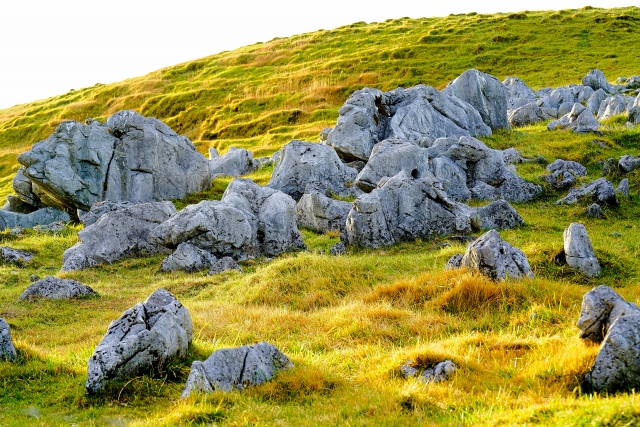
{"type": "Point", "coordinates": [434, 372]}
{"type": "Point", "coordinates": [235, 162]}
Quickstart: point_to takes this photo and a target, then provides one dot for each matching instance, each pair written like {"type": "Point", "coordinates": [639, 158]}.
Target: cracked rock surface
{"type": "Point", "coordinates": [578, 250]}
{"type": "Point", "coordinates": [236, 368]}
{"type": "Point", "coordinates": [146, 337]}
{"type": "Point", "coordinates": [55, 288]}
{"type": "Point", "coordinates": [601, 307]}
{"type": "Point", "coordinates": [600, 191]}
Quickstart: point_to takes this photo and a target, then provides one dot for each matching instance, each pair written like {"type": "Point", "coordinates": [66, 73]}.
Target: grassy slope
{"type": "Point", "coordinates": [346, 322]}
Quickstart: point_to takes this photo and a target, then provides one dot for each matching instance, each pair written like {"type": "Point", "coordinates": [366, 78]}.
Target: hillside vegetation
{"type": "Point", "coordinates": [346, 322]}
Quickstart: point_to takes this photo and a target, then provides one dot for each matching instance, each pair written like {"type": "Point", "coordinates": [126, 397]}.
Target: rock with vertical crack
{"type": "Point", "coordinates": [578, 250]}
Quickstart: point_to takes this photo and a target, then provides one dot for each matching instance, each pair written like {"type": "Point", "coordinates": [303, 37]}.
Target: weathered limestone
{"type": "Point", "coordinates": [519, 93]}
{"type": "Point", "coordinates": [236, 369]}
{"type": "Point", "coordinates": [563, 174]}
{"type": "Point", "coordinates": [600, 191]}
{"type": "Point", "coordinates": [320, 213]}
{"type": "Point", "coordinates": [338, 249]}
{"type": "Point", "coordinates": [146, 337]}
{"type": "Point", "coordinates": [579, 252]}
{"type": "Point", "coordinates": [54, 288]}
{"type": "Point", "coordinates": [101, 208]}
{"type": "Point", "coordinates": [623, 188]}
{"type": "Point", "coordinates": [531, 113]}
{"type": "Point", "coordinates": [594, 101]}
{"type": "Point", "coordinates": [628, 163]}
{"type": "Point", "coordinates": [595, 211]}
{"type": "Point", "coordinates": [118, 234]}
{"type": "Point", "coordinates": [15, 256]}
{"type": "Point", "coordinates": [235, 162]}
{"type": "Point", "coordinates": [497, 215]}
{"type": "Point", "coordinates": [579, 120]}
{"type": "Point", "coordinates": [7, 350]}
{"type": "Point", "coordinates": [601, 307]}
{"type": "Point", "coordinates": [42, 216]}
{"type": "Point", "coordinates": [224, 264]}
{"type": "Point", "coordinates": [189, 258]}
{"type": "Point", "coordinates": [596, 80]}
{"type": "Point", "coordinates": [436, 372]}
{"type": "Point", "coordinates": [613, 106]}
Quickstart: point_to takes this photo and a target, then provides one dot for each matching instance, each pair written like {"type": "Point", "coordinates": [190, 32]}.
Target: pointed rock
{"type": "Point", "coordinates": [579, 252]}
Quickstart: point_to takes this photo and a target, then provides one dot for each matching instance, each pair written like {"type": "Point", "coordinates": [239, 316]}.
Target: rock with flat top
{"type": "Point", "coordinates": [235, 162]}
{"type": "Point", "coordinates": [55, 288]}
{"type": "Point", "coordinates": [578, 250]}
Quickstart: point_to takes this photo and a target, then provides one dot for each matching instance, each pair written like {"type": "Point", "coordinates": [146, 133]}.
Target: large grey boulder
{"type": "Point", "coordinates": [390, 157]}
{"type": "Point", "coordinates": [320, 213]}
{"type": "Point", "coordinates": [485, 93]}
{"type": "Point", "coordinates": [600, 191]}
{"type": "Point", "coordinates": [579, 120]}
{"type": "Point", "coordinates": [564, 173]}
{"type": "Point", "coordinates": [601, 307]}
{"type": "Point", "coordinates": [495, 258]}
{"type": "Point", "coordinates": [118, 234]}
{"type": "Point", "coordinates": [419, 114]}
{"type": "Point", "coordinates": [235, 162]}
{"type": "Point", "coordinates": [130, 158]}
{"type": "Point", "coordinates": [7, 350]}
{"type": "Point", "coordinates": [54, 288]}
{"type": "Point", "coordinates": [578, 250]}
{"type": "Point", "coordinates": [42, 216]}
{"type": "Point", "coordinates": [531, 113]}
{"type": "Point", "coordinates": [519, 93]}
{"type": "Point", "coordinates": [497, 215]}
{"type": "Point", "coordinates": [594, 101]}
{"type": "Point", "coordinates": [189, 258]}
{"type": "Point", "coordinates": [146, 337]}
{"type": "Point", "coordinates": [236, 369]}
{"type": "Point", "coordinates": [628, 163]}
{"type": "Point", "coordinates": [613, 106]}
{"type": "Point", "coordinates": [99, 209]}
{"type": "Point", "coordinates": [452, 176]}
{"type": "Point", "coordinates": [248, 221]}
{"type": "Point", "coordinates": [305, 164]}
{"type": "Point", "coordinates": [596, 80]}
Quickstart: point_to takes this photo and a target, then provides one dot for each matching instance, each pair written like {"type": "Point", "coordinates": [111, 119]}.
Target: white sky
{"type": "Point", "coordinates": [50, 46]}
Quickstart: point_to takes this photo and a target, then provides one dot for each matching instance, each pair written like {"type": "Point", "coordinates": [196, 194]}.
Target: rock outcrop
{"type": "Point", "coordinates": [578, 250]}
{"type": "Point", "coordinates": [320, 213]}
{"type": "Point", "coordinates": [7, 350]}
{"type": "Point", "coordinates": [129, 158]}
{"type": "Point", "coordinates": [189, 258]}
{"type": "Point", "coordinates": [146, 337]}
{"type": "Point", "coordinates": [600, 191]}
{"type": "Point", "coordinates": [236, 369]}
{"type": "Point", "coordinates": [579, 120]}
{"type": "Point", "coordinates": [563, 174]}
{"type": "Point", "coordinates": [118, 234]}
{"type": "Point", "coordinates": [54, 288]}
{"type": "Point", "coordinates": [235, 162]}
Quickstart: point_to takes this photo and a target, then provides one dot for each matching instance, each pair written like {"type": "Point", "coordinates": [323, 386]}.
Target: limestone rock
{"type": "Point", "coordinates": [579, 120]}
{"type": "Point", "coordinates": [634, 111]}
{"type": "Point", "coordinates": [452, 176]}
{"type": "Point", "coordinates": [623, 188]}
{"type": "Point", "coordinates": [531, 113]}
{"type": "Point", "coordinates": [628, 163]}
{"type": "Point", "coordinates": [189, 258]}
{"type": "Point", "coordinates": [579, 252]}
{"type": "Point", "coordinates": [454, 262]}
{"type": "Point", "coordinates": [435, 372]}
{"type": "Point", "coordinates": [498, 215]}
{"type": "Point", "coordinates": [595, 211]}
{"type": "Point", "coordinates": [563, 174]}
{"type": "Point", "coordinates": [338, 249]}
{"type": "Point", "coordinates": [54, 288]}
{"type": "Point", "coordinates": [320, 213]}
{"type": "Point", "coordinates": [118, 234]}
{"type": "Point", "coordinates": [23, 187]}
{"type": "Point", "coordinates": [594, 101]}
{"type": "Point", "coordinates": [485, 93]}
{"type": "Point", "coordinates": [100, 208]}
{"type": "Point", "coordinates": [41, 216]}
{"type": "Point", "coordinates": [236, 369]}
{"type": "Point", "coordinates": [7, 350]}
{"type": "Point", "coordinates": [612, 106]}
{"type": "Point", "coordinates": [600, 191]}
{"type": "Point", "coordinates": [213, 153]}
{"type": "Point", "coordinates": [596, 80]}
{"type": "Point", "coordinates": [15, 256]}
{"type": "Point", "coordinates": [146, 337]}
{"type": "Point", "coordinates": [519, 93]}
{"type": "Point", "coordinates": [17, 205]}
{"type": "Point", "coordinates": [601, 307]}
{"type": "Point", "coordinates": [306, 164]}
{"type": "Point", "coordinates": [235, 162]}
{"type": "Point", "coordinates": [495, 258]}
{"type": "Point", "coordinates": [224, 264]}
{"type": "Point", "coordinates": [130, 158]}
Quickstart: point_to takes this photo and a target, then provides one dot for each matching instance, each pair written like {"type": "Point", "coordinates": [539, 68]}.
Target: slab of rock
{"type": "Point", "coordinates": [601, 307]}
{"type": "Point", "coordinates": [189, 258]}
{"type": "Point", "coordinates": [563, 174]}
{"type": "Point", "coordinates": [628, 163]}
{"type": "Point", "coordinates": [236, 369]}
{"type": "Point", "coordinates": [600, 191]}
{"type": "Point", "coordinates": [623, 188]}
{"type": "Point", "coordinates": [249, 221]}
{"type": "Point", "coordinates": [305, 164]}
{"type": "Point", "coordinates": [497, 215]}
{"type": "Point", "coordinates": [42, 216]}
{"type": "Point", "coordinates": [578, 250]}
{"type": "Point", "coordinates": [224, 264]}
{"type": "Point", "coordinates": [596, 80]}
{"type": "Point", "coordinates": [320, 213]}
{"type": "Point", "coordinates": [612, 106]}
{"type": "Point", "coordinates": [130, 158]}
{"type": "Point", "coordinates": [519, 93]}
{"type": "Point", "coordinates": [99, 209]}
{"type": "Point", "coordinates": [495, 258]}
{"type": "Point", "coordinates": [235, 162]}
{"type": "Point", "coordinates": [595, 211]}
{"type": "Point", "coordinates": [118, 234]}
{"type": "Point", "coordinates": [485, 93]}
{"type": "Point", "coordinates": [579, 120]}
{"type": "Point", "coordinates": [15, 256]}
{"type": "Point", "coordinates": [54, 288]}
{"type": "Point", "coordinates": [146, 337]}
{"type": "Point", "coordinates": [533, 112]}
{"type": "Point", "coordinates": [436, 372]}
{"type": "Point", "coordinates": [7, 350]}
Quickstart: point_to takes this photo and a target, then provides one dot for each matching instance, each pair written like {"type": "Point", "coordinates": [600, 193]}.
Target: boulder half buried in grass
{"type": "Point", "coordinates": [601, 307]}
{"type": "Point", "coordinates": [145, 338]}
{"type": "Point", "coordinates": [55, 288]}
{"type": "Point", "coordinates": [7, 350]}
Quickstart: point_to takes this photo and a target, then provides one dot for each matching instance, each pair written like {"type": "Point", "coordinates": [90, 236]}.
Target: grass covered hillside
{"type": "Point", "coordinates": [346, 322]}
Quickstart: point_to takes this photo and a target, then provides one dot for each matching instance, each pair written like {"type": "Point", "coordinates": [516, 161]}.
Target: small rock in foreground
{"type": "Point", "coordinates": [55, 288]}
{"type": "Point", "coordinates": [579, 252]}
{"type": "Point", "coordinates": [224, 264]}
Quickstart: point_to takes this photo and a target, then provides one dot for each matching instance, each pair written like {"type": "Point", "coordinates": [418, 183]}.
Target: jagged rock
{"type": "Point", "coordinates": [54, 288]}
{"type": "Point", "coordinates": [623, 188]}
{"type": "Point", "coordinates": [519, 93]}
{"type": "Point", "coordinates": [41, 216]}
{"type": "Point", "coordinates": [130, 158]}
{"type": "Point", "coordinates": [213, 153]}
{"type": "Point", "coordinates": [23, 187]}
{"type": "Point", "coordinates": [565, 108]}
{"type": "Point", "coordinates": [100, 208]}
{"type": "Point", "coordinates": [612, 106]}
{"type": "Point", "coordinates": [236, 368]}
{"type": "Point", "coordinates": [628, 163]}
{"type": "Point", "coordinates": [189, 258]}
{"type": "Point", "coordinates": [564, 173]}
{"type": "Point", "coordinates": [594, 101]}
{"type": "Point", "coordinates": [404, 208]}
{"type": "Point", "coordinates": [7, 350]}
{"type": "Point", "coordinates": [600, 191]}
{"type": "Point", "coordinates": [435, 372]}
{"type": "Point", "coordinates": [390, 157]}
{"type": "Point", "coordinates": [579, 120]}
{"type": "Point", "coordinates": [416, 114]}
{"type": "Point", "coordinates": [54, 227]}
{"type": "Point", "coordinates": [320, 213]}
{"type": "Point", "coordinates": [485, 93]}
{"type": "Point", "coordinates": [454, 262]}
{"type": "Point", "coordinates": [306, 164]}
{"type": "Point", "coordinates": [595, 211]}
{"type": "Point", "coordinates": [499, 214]}
{"type": "Point", "coordinates": [601, 307]}
{"type": "Point", "coordinates": [596, 80]}
{"type": "Point", "coordinates": [531, 113]}
{"type": "Point", "coordinates": [17, 205]}
{"type": "Point", "coordinates": [224, 264]}
{"type": "Point", "coordinates": [118, 234]}
{"type": "Point", "coordinates": [249, 221]}
{"type": "Point", "coordinates": [338, 249]}
{"type": "Point", "coordinates": [15, 256]}
{"type": "Point", "coordinates": [146, 337]}
{"type": "Point", "coordinates": [452, 176]}
{"type": "Point", "coordinates": [634, 111]}
{"type": "Point", "coordinates": [495, 258]}
{"type": "Point", "coordinates": [235, 162]}
{"type": "Point", "coordinates": [579, 252]}
{"type": "Point", "coordinates": [324, 133]}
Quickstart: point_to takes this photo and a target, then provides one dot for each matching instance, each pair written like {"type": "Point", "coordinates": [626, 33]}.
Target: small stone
{"type": "Point", "coordinates": [579, 252]}
{"type": "Point", "coordinates": [495, 258]}
{"type": "Point", "coordinates": [595, 211]}
{"type": "Point", "coordinates": [54, 288]}
{"type": "Point", "coordinates": [15, 256]}
{"type": "Point", "coordinates": [338, 249]}
{"type": "Point", "coordinates": [623, 188]}
{"type": "Point", "coordinates": [454, 262]}
{"type": "Point", "coordinates": [224, 264]}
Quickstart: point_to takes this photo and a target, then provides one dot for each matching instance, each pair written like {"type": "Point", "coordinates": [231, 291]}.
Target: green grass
{"type": "Point", "coordinates": [347, 322]}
